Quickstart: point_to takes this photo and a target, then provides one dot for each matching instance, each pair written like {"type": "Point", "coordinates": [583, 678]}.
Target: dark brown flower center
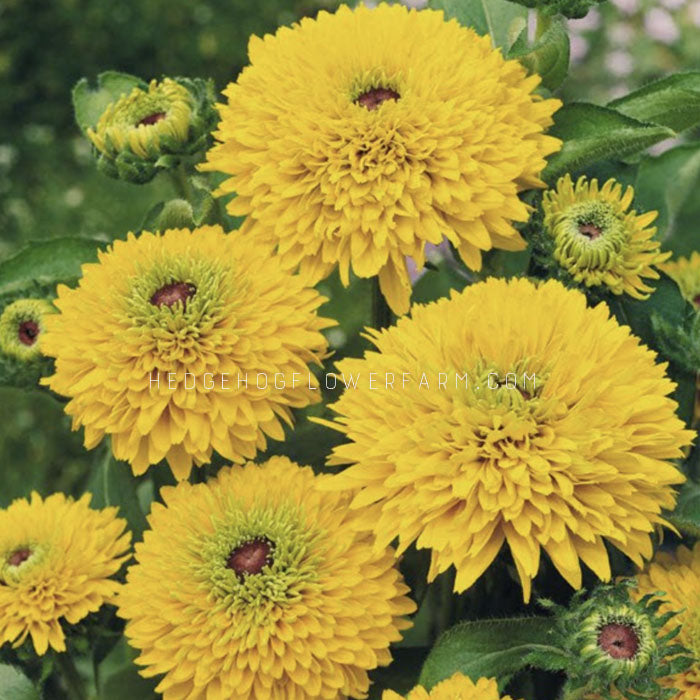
{"type": "Point", "coordinates": [589, 230]}
{"type": "Point", "coordinates": [151, 119]}
{"type": "Point", "coordinates": [620, 641]}
{"type": "Point", "coordinates": [19, 556]}
{"type": "Point", "coordinates": [28, 332]}
{"type": "Point", "coordinates": [696, 300]}
{"type": "Point", "coordinates": [374, 97]}
{"type": "Point", "coordinates": [251, 556]}
{"type": "Point", "coordinates": [173, 292]}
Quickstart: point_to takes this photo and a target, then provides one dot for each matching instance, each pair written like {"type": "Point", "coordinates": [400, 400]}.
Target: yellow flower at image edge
{"type": "Point", "coordinates": [258, 585]}
{"type": "Point", "coordinates": [21, 324]}
{"type": "Point", "coordinates": [458, 687]}
{"type": "Point", "coordinates": [552, 432]}
{"type": "Point", "coordinates": [151, 345]}
{"type": "Point", "coordinates": [56, 560]}
{"type": "Point", "coordinates": [356, 138]}
{"type": "Point", "coordinates": [598, 240]}
{"type": "Point", "coordinates": [678, 576]}
{"type": "Point", "coordinates": [686, 272]}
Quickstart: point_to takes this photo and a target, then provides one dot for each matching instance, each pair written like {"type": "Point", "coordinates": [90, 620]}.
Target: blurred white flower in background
{"type": "Point", "coordinates": [673, 4]}
{"type": "Point", "coordinates": [659, 25]}
{"type": "Point", "coordinates": [620, 63]}
{"type": "Point", "coordinates": [694, 12]}
{"type": "Point", "coordinates": [588, 23]}
{"type": "Point", "coordinates": [628, 6]}
{"type": "Point", "coordinates": [621, 33]}
{"type": "Point", "coordinates": [579, 48]}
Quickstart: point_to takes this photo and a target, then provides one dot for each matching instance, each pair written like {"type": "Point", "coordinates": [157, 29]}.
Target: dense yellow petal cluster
{"type": "Point", "coordinates": [598, 240]}
{"type": "Point", "coordinates": [686, 272]}
{"type": "Point", "coordinates": [556, 440]}
{"type": "Point", "coordinates": [155, 345]}
{"type": "Point", "coordinates": [259, 585]}
{"type": "Point", "coordinates": [56, 560]}
{"type": "Point", "coordinates": [458, 687]}
{"type": "Point", "coordinates": [356, 138]}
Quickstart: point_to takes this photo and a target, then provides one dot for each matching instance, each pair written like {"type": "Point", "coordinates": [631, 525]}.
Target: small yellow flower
{"type": "Point", "coordinates": [598, 240]}
{"type": "Point", "coordinates": [458, 687]}
{"type": "Point", "coordinates": [355, 139]}
{"type": "Point", "coordinates": [140, 121]}
{"type": "Point", "coordinates": [552, 431]}
{"type": "Point", "coordinates": [686, 272]}
{"type": "Point", "coordinates": [57, 557]}
{"type": "Point", "coordinates": [258, 585]}
{"type": "Point", "coordinates": [21, 324]}
{"type": "Point", "coordinates": [161, 344]}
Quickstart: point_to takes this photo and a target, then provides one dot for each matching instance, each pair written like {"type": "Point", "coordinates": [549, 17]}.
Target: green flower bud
{"type": "Point", "coordinates": [568, 8]}
{"type": "Point", "coordinates": [613, 645]}
{"type": "Point", "coordinates": [21, 325]}
{"type": "Point", "coordinates": [151, 129]}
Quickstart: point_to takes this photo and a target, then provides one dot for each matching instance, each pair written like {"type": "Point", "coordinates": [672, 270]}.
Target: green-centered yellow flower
{"type": "Point", "coordinates": [515, 415]}
{"type": "Point", "coordinates": [356, 138]}
{"type": "Point", "coordinates": [21, 324]}
{"type": "Point", "coordinates": [161, 344]}
{"type": "Point", "coordinates": [259, 585]}
{"type": "Point", "coordinates": [458, 687]}
{"type": "Point", "coordinates": [598, 240]}
{"type": "Point", "coordinates": [57, 559]}
{"type": "Point", "coordinates": [686, 273]}
{"type": "Point", "coordinates": [151, 126]}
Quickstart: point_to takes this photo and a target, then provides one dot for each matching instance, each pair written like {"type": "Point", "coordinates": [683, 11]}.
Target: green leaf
{"type": "Point", "coordinates": [14, 685]}
{"type": "Point", "coordinates": [591, 134]}
{"type": "Point", "coordinates": [549, 57]}
{"type": "Point", "coordinates": [491, 648]}
{"type": "Point", "coordinates": [113, 484]}
{"type": "Point", "coordinates": [47, 262]}
{"type": "Point", "coordinates": [666, 183]}
{"type": "Point", "coordinates": [686, 514]}
{"type": "Point", "coordinates": [89, 103]}
{"type": "Point", "coordinates": [493, 17]}
{"type": "Point", "coordinates": [673, 102]}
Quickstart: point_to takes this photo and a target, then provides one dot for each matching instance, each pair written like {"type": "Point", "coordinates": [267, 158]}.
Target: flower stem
{"type": "Point", "coordinates": [381, 313]}
{"type": "Point", "coordinates": [180, 182]}
{"type": "Point", "coordinates": [544, 22]}
{"type": "Point", "coordinates": [71, 678]}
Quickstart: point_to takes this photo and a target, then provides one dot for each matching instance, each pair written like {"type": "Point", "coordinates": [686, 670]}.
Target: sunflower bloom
{"type": "Point", "coordinates": [355, 139]}
{"type": "Point", "coordinates": [56, 560]}
{"type": "Point", "coordinates": [458, 687]}
{"type": "Point", "coordinates": [686, 273]}
{"type": "Point", "coordinates": [258, 585]}
{"type": "Point", "coordinates": [516, 415]}
{"type": "Point", "coordinates": [678, 576]}
{"type": "Point", "coordinates": [161, 343]}
{"type": "Point", "coordinates": [598, 240]}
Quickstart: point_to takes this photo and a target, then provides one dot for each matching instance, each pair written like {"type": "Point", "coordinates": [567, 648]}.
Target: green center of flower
{"type": "Point", "coordinates": [619, 640]}
{"type": "Point", "coordinates": [372, 98]}
{"type": "Point", "coordinates": [19, 556]}
{"type": "Point", "coordinates": [171, 293]}
{"type": "Point", "coordinates": [151, 119]}
{"type": "Point", "coordinates": [28, 332]}
{"type": "Point", "coordinates": [251, 557]}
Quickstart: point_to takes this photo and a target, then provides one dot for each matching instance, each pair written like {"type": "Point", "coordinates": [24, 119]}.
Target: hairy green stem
{"type": "Point", "coordinates": [71, 678]}
{"type": "Point", "coordinates": [180, 182]}
{"type": "Point", "coordinates": [381, 313]}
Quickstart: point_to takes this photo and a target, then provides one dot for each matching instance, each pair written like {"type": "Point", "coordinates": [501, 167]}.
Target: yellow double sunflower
{"type": "Point", "coordinates": [356, 138]}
